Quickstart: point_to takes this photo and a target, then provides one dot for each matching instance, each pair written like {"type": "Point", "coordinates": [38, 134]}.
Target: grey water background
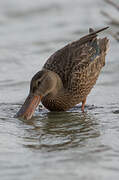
{"type": "Point", "coordinates": [68, 145]}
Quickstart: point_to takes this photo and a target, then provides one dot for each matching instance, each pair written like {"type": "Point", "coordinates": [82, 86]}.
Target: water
{"type": "Point", "coordinates": [68, 145]}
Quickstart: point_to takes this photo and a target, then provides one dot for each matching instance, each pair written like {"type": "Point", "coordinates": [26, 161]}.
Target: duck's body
{"type": "Point", "coordinates": [68, 75]}
{"type": "Point", "coordinates": [78, 65]}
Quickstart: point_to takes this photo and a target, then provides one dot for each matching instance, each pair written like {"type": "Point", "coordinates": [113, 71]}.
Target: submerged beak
{"type": "Point", "coordinates": [29, 106]}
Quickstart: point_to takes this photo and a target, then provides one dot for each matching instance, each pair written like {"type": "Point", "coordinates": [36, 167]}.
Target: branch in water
{"type": "Point", "coordinates": [113, 21]}
{"type": "Point", "coordinates": [116, 36]}
{"type": "Point", "coordinates": [111, 2]}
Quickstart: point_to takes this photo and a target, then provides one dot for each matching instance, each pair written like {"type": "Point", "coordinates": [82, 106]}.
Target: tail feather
{"type": "Point", "coordinates": [95, 32]}
{"type": "Point", "coordinates": [91, 30]}
{"type": "Point", "coordinates": [92, 35]}
{"type": "Point", "coordinates": [100, 45]}
{"type": "Point", "coordinates": [104, 44]}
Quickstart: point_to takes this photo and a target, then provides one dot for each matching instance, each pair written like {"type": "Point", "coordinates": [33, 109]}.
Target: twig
{"type": "Point", "coordinates": [115, 36]}
{"type": "Point", "coordinates": [112, 20]}
{"type": "Point", "coordinates": [113, 4]}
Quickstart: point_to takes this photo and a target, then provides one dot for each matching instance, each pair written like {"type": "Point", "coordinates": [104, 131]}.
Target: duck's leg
{"type": "Point", "coordinates": [83, 105]}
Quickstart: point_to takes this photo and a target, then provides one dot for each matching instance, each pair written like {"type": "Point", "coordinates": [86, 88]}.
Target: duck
{"type": "Point", "coordinates": [68, 75]}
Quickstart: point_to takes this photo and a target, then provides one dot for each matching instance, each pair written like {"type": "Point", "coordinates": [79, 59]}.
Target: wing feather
{"type": "Point", "coordinates": [74, 58]}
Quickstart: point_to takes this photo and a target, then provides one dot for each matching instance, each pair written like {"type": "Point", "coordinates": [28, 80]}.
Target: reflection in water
{"type": "Point", "coordinates": [60, 130]}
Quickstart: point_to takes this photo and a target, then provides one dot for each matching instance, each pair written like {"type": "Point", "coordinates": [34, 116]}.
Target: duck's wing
{"type": "Point", "coordinates": [76, 56]}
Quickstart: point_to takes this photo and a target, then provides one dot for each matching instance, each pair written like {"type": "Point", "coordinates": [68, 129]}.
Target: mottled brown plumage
{"type": "Point", "coordinates": [68, 75]}
{"type": "Point", "coordinates": [78, 65]}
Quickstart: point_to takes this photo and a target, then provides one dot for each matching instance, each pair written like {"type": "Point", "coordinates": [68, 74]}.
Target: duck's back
{"type": "Point", "coordinates": [78, 64]}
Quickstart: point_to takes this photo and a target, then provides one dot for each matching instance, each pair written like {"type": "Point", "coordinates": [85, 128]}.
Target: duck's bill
{"type": "Point", "coordinates": [29, 106]}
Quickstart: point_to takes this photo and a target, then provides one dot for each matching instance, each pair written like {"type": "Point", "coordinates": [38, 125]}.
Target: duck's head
{"type": "Point", "coordinates": [43, 83]}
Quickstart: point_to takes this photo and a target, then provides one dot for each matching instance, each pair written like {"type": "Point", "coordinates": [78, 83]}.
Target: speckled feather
{"type": "Point", "coordinates": [78, 64]}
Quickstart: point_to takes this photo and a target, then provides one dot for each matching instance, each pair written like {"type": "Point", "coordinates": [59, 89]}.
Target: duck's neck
{"type": "Point", "coordinates": [58, 99]}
